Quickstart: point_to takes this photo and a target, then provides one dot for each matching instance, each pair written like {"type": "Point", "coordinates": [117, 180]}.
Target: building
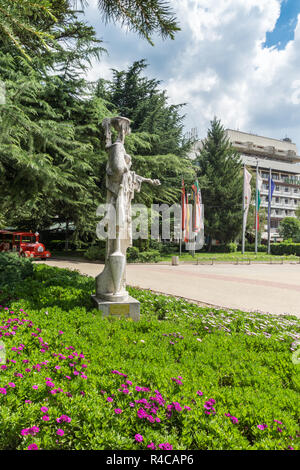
{"type": "Point", "coordinates": [279, 155]}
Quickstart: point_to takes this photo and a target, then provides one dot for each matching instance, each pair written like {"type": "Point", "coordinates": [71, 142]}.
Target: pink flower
{"type": "Point", "coordinates": [32, 447]}
{"type": "Point", "coordinates": [110, 399]}
{"type": "Point", "coordinates": [151, 446]}
{"type": "Point", "coordinates": [45, 418]}
{"type": "Point", "coordinates": [3, 391]}
{"type": "Point", "coordinates": [118, 411]}
{"type": "Point", "coordinates": [11, 384]}
{"type": "Point", "coordinates": [63, 418]}
{"type": "Point", "coordinates": [60, 432]}
{"type": "Point", "coordinates": [262, 426]}
{"type": "Point", "coordinates": [165, 446]}
{"type": "Point", "coordinates": [50, 384]}
{"type": "Point", "coordinates": [35, 387]}
{"type": "Point", "coordinates": [139, 438]}
{"type": "Point", "coordinates": [44, 409]}
{"type": "Point", "coordinates": [199, 393]}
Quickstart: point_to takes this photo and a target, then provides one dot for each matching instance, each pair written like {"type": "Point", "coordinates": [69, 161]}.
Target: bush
{"type": "Point", "coordinates": [132, 253]}
{"type": "Point", "coordinates": [152, 256]}
{"type": "Point", "coordinates": [224, 248]}
{"type": "Point", "coordinates": [251, 247]}
{"type": "Point", "coordinates": [285, 249]}
{"type": "Point", "coordinates": [95, 252]}
{"type": "Point", "coordinates": [199, 379]}
{"type": "Point", "coordinates": [13, 268]}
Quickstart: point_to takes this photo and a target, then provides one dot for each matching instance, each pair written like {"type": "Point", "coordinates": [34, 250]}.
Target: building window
{"type": "Point", "coordinates": [286, 189]}
{"type": "Point", "coordinates": [274, 223]}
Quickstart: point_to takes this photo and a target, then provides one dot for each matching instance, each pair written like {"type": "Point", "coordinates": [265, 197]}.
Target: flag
{"type": "Point", "coordinates": [247, 193]}
{"type": "Point", "coordinates": [259, 186]}
{"type": "Point", "coordinates": [183, 207]}
{"type": "Point", "coordinates": [271, 190]}
{"type": "Point", "coordinates": [187, 220]}
{"type": "Point", "coordinates": [196, 207]}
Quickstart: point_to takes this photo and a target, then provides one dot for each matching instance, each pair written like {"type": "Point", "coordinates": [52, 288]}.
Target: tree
{"type": "Point", "coordinates": [289, 227]}
{"type": "Point", "coordinates": [142, 101]}
{"type": "Point", "coordinates": [222, 195]}
{"type": "Point", "coordinates": [31, 27]}
{"type": "Point", "coordinates": [48, 160]}
{"type": "Point", "coordinates": [156, 144]}
{"type": "Point", "coordinates": [142, 16]}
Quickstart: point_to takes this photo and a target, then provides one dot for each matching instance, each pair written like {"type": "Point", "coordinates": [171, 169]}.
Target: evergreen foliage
{"type": "Point", "coordinates": [222, 194]}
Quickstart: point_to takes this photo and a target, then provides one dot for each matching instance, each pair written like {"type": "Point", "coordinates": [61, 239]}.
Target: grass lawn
{"type": "Point", "coordinates": [183, 377]}
{"type": "Point", "coordinates": [231, 257]}
{"type": "Point", "coordinates": [201, 257]}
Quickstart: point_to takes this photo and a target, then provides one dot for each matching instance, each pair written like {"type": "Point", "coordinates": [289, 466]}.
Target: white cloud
{"type": "Point", "coordinates": [218, 65]}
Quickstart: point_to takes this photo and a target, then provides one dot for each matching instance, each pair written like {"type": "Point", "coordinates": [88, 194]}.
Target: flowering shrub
{"type": "Point", "coordinates": [199, 379]}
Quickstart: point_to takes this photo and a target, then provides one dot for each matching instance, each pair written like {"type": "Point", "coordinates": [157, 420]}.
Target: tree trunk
{"type": "Point", "coordinates": [67, 236]}
{"type": "Point", "coordinates": [209, 244]}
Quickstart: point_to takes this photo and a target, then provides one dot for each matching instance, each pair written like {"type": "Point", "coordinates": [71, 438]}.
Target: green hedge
{"type": "Point", "coordinates": [285, 249]}
{"type": "Point", "coordinates": [251, 247]}
{"type": "Point", "coordinates": [94, 253]}
{"type": "Point", "coordinates": [13, 268]}
{"type": "Point", "coordinates": [224, 248]}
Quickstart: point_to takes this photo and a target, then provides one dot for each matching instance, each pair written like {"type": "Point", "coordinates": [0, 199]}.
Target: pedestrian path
{"type": "Point", "coordinates": [266, 288]}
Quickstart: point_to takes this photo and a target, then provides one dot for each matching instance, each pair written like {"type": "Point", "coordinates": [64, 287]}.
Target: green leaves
{"type": "Point", "coordinates": [249, 375]}
{"type": "Point", "coordinates": [222, 194]}
{"type": "Point", "coordinates": [143, 17]}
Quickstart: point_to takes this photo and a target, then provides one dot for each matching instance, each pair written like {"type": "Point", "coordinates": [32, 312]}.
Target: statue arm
{"type": "Point", "coordinates": [141, 179]}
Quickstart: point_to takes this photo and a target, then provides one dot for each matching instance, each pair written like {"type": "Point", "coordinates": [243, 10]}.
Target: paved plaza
{"type": "Point", "coordinates": [263, 287]}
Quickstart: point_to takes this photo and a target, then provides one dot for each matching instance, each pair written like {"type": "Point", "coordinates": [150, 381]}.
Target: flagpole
{"type": "Point", "coordinates": [256, 208]}
{"type": "Point", "coordinates": [181, 231]}
{"type": "Point", "coordinates": [244, 227]}
{"type": "Point", "coordinates": [269, 213]}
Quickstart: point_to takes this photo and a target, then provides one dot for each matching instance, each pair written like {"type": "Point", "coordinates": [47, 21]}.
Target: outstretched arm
{"type": "Point", "coordinates": [149, 180]}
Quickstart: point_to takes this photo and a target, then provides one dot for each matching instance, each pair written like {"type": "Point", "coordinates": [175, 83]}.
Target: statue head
{"type": "Point", "coordinates": [120, 124]}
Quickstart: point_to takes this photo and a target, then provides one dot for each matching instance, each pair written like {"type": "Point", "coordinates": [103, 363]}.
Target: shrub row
{"type": "Point", "coordinates": [285, 249]}
{"type": "Point", "coordinates": [13, 268]}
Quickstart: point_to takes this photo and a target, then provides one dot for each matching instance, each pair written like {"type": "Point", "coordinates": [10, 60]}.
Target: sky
{"type": "Point", "coordinates": [238, 60]}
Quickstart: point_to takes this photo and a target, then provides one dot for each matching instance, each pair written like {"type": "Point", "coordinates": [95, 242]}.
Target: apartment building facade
{"type": "Point", "coordinates": [282, 158]}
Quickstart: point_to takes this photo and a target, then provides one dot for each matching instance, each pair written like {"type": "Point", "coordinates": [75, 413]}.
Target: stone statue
{"type": "Point", "coordinates": [121, 184]}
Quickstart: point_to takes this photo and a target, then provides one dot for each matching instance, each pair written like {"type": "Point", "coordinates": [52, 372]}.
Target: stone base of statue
{"type": "Point", "coordinates": [129, 308]}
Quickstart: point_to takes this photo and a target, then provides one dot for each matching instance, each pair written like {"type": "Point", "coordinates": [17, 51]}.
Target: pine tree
{"type": "Point", "coordinates": [222, 195]}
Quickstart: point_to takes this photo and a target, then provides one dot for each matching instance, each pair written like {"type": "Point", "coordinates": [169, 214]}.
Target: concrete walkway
{"type": "Point", "coordinates": [263, 287]}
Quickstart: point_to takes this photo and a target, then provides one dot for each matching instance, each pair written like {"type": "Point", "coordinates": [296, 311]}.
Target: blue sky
{"type": "Point", "coordinates": [236, 59]}
{"type": "Point", "coordinates": [285, 26]}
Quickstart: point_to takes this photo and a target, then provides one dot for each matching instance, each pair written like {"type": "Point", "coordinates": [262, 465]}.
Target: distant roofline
{"type": "Point", "coordinates": [257, 135]}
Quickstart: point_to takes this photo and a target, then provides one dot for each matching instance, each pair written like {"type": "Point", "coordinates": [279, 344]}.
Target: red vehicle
{"type": "Point", "coordinates": [27, 244]}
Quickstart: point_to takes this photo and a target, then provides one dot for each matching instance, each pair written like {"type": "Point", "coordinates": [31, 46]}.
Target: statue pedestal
{"type": "Point", "coordinates": [129, 308]}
